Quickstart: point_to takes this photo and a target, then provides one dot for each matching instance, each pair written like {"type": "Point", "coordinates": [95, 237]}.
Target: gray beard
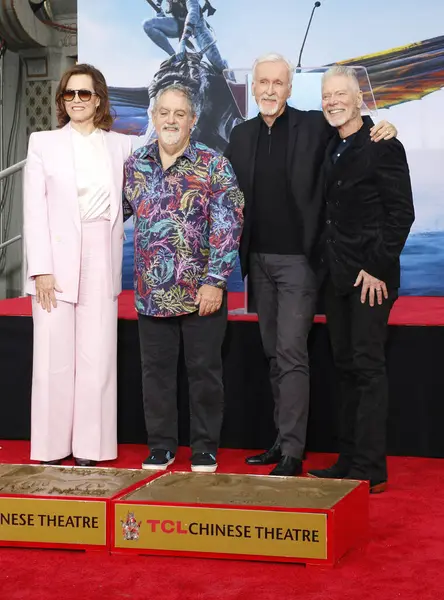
{"type": "Point", "coordinates": [170, 138]}
{"type": "Point", "coordinates": [269, 112]}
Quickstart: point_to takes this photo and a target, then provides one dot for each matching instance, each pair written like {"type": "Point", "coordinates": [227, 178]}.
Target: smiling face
{"type": "Point", "coordinates": [78, 111]}
{"type": "Point", "coordinates": [173, 119]}
{"type": "Point", "coordinates": [341, 100]}
{"type": "Point", "coordinates": [271, 87]}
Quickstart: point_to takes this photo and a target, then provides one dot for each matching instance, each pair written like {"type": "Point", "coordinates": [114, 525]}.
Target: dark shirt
{"type": "Point", "coordinates": [342, 146]}
{"type": "Point", "coordinates": [276, 227]}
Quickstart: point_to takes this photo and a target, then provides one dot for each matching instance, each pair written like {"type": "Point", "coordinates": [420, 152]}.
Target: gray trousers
{"type": "Point", "coordinates": [284, 290]}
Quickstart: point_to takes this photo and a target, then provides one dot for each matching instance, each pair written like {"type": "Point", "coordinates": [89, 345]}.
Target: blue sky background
{"type": "Point", "coordinates": [110, 31]}
{"type": "Point", "coordinates": [111, 37]}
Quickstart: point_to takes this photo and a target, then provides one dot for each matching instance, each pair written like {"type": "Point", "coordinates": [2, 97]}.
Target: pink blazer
{"type": "Point", "coordinates": [52, 226]}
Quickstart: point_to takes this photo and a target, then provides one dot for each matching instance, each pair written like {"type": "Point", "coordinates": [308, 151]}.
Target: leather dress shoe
{"type": "Point", "coordinates": [336, 471]}
{"type": "Point", "coordinates": [376, 487]}
{"type": "Point", "coordinates": [85, 462]}
{"type": "Point", "coordinates": [288, 466]}
{"type": "Point", "coordinates": [270, 457]}
{"type": "Point", "coordinates": [51, 462]}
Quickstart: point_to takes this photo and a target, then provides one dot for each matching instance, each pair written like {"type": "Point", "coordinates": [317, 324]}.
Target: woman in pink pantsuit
{"type": "Point", "coordinates": [74, 240]}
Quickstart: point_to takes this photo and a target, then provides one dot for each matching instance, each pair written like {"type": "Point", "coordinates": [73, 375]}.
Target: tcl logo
{"type": "Point", "coordinates": [166, 526]}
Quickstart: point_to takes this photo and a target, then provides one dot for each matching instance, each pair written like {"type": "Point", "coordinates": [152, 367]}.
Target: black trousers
{"type": "Point", "coordinates": [358, 333]}
{"type": "Point", "coordinates": [284, 289]}
{"type": "Point", "coordinates": [160, 339]}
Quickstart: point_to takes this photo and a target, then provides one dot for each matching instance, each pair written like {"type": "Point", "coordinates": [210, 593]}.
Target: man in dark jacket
{"type": "Point", "coordinates": [277, 158]}
{"type": "Point", "coordinates": [368, 215]}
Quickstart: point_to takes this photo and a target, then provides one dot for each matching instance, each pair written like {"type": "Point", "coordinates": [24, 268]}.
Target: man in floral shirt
{"type": "Point", "coordinates": [188, 222]}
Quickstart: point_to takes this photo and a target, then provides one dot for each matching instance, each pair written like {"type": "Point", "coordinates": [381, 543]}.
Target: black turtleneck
{"type": "Point", "coordinates": [276, 227]}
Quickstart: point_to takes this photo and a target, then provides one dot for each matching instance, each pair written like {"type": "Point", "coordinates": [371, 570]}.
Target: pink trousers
{"type": "Point", "coordinates": [74, 382]}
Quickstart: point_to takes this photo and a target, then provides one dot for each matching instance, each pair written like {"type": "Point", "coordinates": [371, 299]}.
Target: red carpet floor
{"type": "Point", "coordinates": [408, 310]}
{"type": "Point", "coordinates": [403, 560]}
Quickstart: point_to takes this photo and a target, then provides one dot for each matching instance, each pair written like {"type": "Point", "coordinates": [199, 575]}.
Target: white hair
{"type": "Point", "coordinates": [176, 87]}
{"type": "Point", "coordinates": [344, 72]}
{"type": "Point", "coordinates": [273, 57]}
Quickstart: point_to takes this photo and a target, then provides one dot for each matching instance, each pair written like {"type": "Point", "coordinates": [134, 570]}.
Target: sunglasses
{"type": "Point", "coordinates": [83, 95]}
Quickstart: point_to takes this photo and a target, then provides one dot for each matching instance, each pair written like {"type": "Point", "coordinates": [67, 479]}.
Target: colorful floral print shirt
{"type": "Point", "coordinates": [187, 228]}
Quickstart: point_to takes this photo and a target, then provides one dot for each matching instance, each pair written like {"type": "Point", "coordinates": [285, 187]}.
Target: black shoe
{"type": "Point", "coordinates": [288, 466]}
{"type": "Point", "coordinates": [158, 460]}
{"type": "Point", "coordinates": [336, 471]}
{"type": "Point", "coordinates": [51, 462]}
{"type": "Point", "coordinates": [84, 462]}
{"type": "Point", "coordinates": [203, 462]}
{"type": "Point", "coordinates": [376, 487]}
{"type": "Point", "coordinates": [270, 457]}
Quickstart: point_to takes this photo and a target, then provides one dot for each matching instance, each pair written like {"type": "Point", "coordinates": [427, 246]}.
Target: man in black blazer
{"type": "Point", "coordinates": [277, 158]}
{"type": "Point", "coordinates": [368, 215]}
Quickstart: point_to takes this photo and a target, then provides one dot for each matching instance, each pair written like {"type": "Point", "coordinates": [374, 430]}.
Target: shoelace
{"type": "Point", "coordinates": [212, 456]}
{"type": "Point", "coordinates": [157, 454]}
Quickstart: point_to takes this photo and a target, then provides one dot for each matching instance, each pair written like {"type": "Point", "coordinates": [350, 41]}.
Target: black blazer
{"type": "Point", "coordinates": [308, 137]}
{"type": "Point", "coordinates": [368, 210]}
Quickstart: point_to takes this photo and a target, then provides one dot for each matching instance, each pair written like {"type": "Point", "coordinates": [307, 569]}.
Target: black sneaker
{"type": "Point", "coordinates": [158, 460]}
{"type": "Point", "coordinates": [203, 462]}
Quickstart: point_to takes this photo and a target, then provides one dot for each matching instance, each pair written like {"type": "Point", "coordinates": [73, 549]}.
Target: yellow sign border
{"type": "Point", "coordinates": [233, 531]}
{"type": "Point", "coordinates": [53, 521]}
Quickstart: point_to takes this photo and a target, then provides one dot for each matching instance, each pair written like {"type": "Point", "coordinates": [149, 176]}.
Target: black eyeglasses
{"type": "Point", "coordinates": [84, 95]}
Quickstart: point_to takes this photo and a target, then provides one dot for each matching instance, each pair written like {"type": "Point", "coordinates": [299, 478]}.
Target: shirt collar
{"type": "Point", "coordinates": [91, 135]}
{"type": "Point", "coordinates": [349, 138]}
{"type": "Point", "coordinates": [152, 151]}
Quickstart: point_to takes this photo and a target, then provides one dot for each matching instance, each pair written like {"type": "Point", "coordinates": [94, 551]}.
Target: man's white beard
{"type": "Point", "coordinates": [340, 119]}
{"type": "Point", "coordinates": [170, 138]}
{"type": "Point", "coordinates": [336, 121]}
{"type": "Point", "coordinates": [268, 112]}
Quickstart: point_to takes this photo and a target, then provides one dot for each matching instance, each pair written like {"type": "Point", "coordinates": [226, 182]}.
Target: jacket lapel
{"type": "Point", "coordinates": [115, 166]}
{"type": "Point", "coordinates": [293, 122]}
{"type": "Point", "coordinates": [253, 151]}
{"type": "Point", "coordinates": [65, 156]}
{"type": "Point", "coordinates": [329, 165]}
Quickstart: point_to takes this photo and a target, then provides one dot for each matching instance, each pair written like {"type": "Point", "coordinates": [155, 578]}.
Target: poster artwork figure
{"type": "Point", "coordinates": [184, 20]}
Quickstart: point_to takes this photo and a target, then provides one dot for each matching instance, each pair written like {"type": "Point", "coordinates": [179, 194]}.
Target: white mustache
{"type": "Point", "coordinates": [170, 128]}
{"type": "Point", "coordinates": [265, 97]}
